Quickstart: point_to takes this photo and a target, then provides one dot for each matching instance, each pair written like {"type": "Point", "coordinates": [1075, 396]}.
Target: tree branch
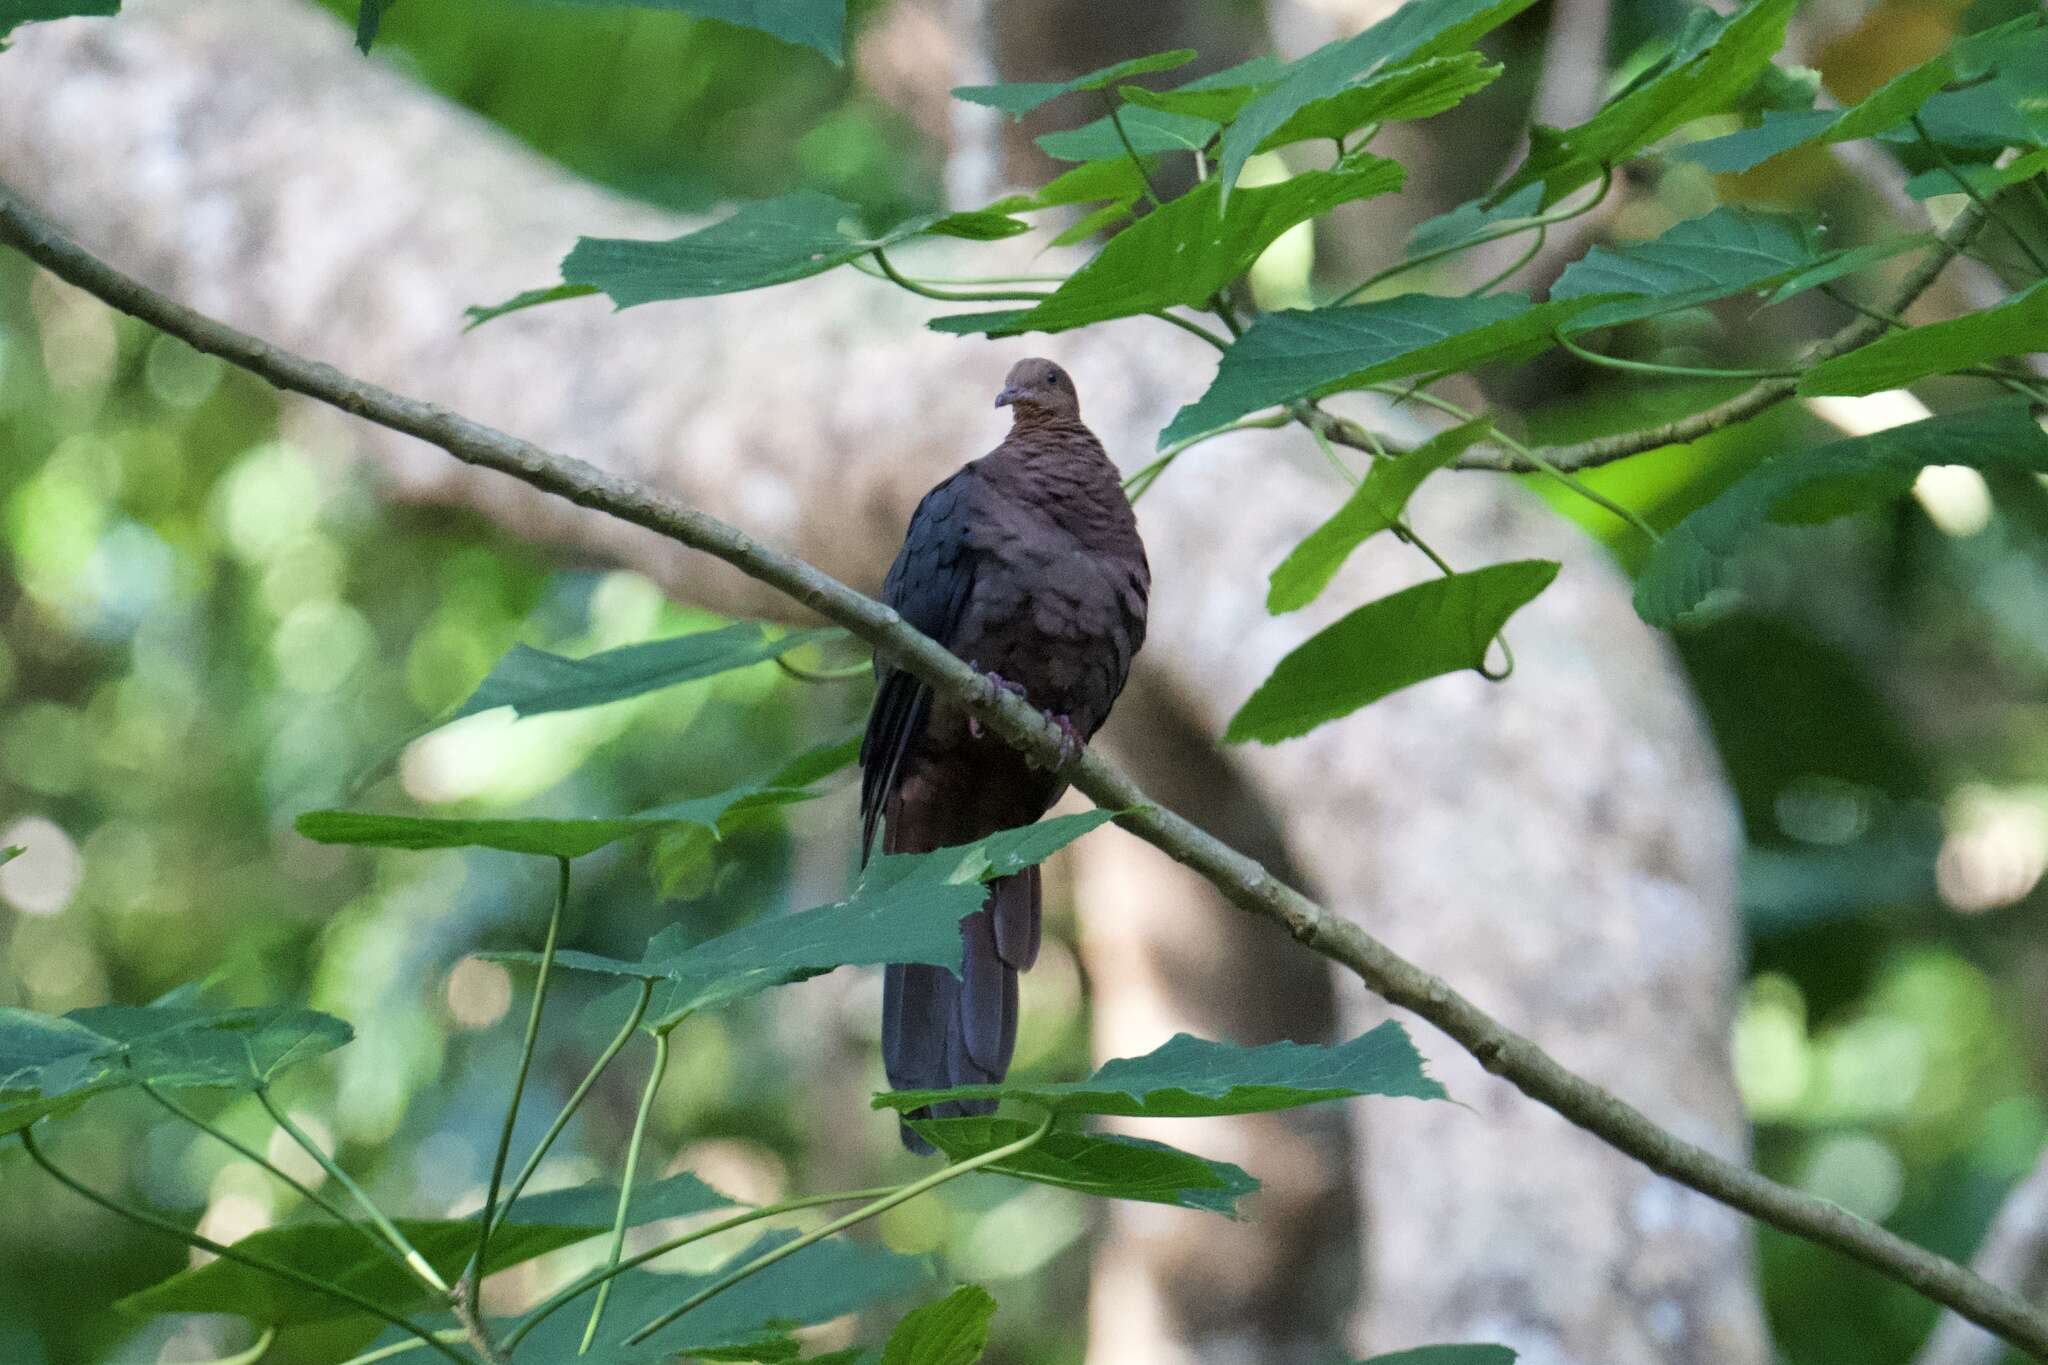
{"type": "Point", "coordinates": [1767, 393]}
{"type": "Point", "coordinates": [2014, 1254]}
{"type": "Point", "coordinates": [1243, 881]}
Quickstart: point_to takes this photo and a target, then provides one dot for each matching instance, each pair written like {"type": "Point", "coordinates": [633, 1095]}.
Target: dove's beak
{"type": "Point", "coordinates": [1006, 397]}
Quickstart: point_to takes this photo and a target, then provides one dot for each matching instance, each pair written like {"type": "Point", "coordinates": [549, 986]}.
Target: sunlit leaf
{"type": "Point", "coordinates": [1415, 32]}
{"type": "Point", "coordinates": [2016, 326]}
{"type": "Point", "coordinates": [1105, 1165]}
{"type": "Point", "coordinates": [1436, 627]}
{"type": "Point", "coordinates": [1190, 1077]}
{"type": "Point", "coordinates": [1695, 558]}
{"type": "Point", "coordinates": [1019, 98]}
{"type": "Point", "coordinates": [349, 1256]}
{"type": "Point", "coordinates": [907, 908]}
{"type": "Point", "coordinates": [533, 682]}
{"type": "Point", "coordinates": [953, 1331]}
{"type": "Point", "coordinates": [1710, 72]}
{"type": "Point", "coordinates": [1374, 506]}
{"type": "Point", "coordinates": [1184, 252]}
{"type": "Point", "coordinates": [1302, 353]}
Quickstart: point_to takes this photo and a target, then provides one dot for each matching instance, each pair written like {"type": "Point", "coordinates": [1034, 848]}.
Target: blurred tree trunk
{"type": "Point", "coordinates": [1559, 847]}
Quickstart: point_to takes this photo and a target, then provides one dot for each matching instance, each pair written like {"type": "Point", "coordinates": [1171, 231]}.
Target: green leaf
{"type": "Point", "coordinates": [479, 314]}
{"type": "Point", "coordinates": [1190, 1077]}
{"type": "Point", "coordinates": [1374, 506]}
{"type": "Point", "coordinates": [1987, 115]}
{"type": "Point", "coordinates": [14, 13]}
{"type": "Point", "coordinates": [1114, 179]}
{"type": "Point", "coordinates": [1694, 558]}
{"type": "Point", "coordinates": [820, 1283]}
{"type": "Point", "coordinates": [566, 838]}
{"type": "Point", "coordinates": [1215, 107]}
{"type": "Point", "coordinates": [1417, 91]}
{"type": "Point", "coordinates": [1473, 220]}
{"type": "Point", "coordinates": [1708, 75]}
{"type": "Point", "coordinates": [1729, 251]}
{"type": "Point", "coordinates": [346, 1256]}
{"type": "Point", "coordinates": [2016, 326]}
{"type": "Point", "coordinates": [1435, 627]}
{"type": "Point", "coordinates": [907, 908]}
{"type": "Point", "coordinates": [369, 17]}
{"type": "Point", "coordinates": [1105, 1165]}
{"type": "Point", "coordinates": [1447, 1355]}
{"type": "Point", "coordinates": [1779, 132]}
{"type": "Point", "coordinates": [10, 853]}
{"type": "Point", "coordinates": [769, 242]}
{"type": "Point", "coordinates": [179, 1046]}
{"type": "Point", "coordinates": [1836, 264]}
{"type": "Point", "coordinates": [533, 682]}
{"type": "Point", "coordinates": [816, 24]}
{"type": "Point", "coordinates": [953, 1331]}
{"type": "Point", "coordinates": [35, 1046]}
{"type": "Point", "coordinates": [1020, 97]}
{"type": "Point", "coordinates": [1415, 32]}
{"type": "Point", "coordinates": [1300, 353]}
{"type": "Point", "coordinates": [1158, 126]}
{"type": "Point", "coordinates": [1185, 251]}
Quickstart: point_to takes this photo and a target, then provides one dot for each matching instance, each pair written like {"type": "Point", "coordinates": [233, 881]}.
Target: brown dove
{"type": "Point", "coordinates": [1027, 564]}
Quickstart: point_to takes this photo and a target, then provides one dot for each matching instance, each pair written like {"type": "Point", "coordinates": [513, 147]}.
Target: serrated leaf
{"type": "Point", "coordinates": [1693, 560]}
{"type": "Point", "coordinates": [1415, 32]}
{"type": "Point", "coordinates": [1447, 1355]}
{"type": "Point", "coordinates": [1714, 72]}
{"type": "Point", "coordinates": [768, 242]}
{"type": "Point", "coordinates": [1301, 353]}
{"type": "Point", "coordinates": [2016, 326]}
{"type": "Point", "coordinates": [1436, 627]}
{"type": "Point", "coordinates": [1105, 1165]}
{"type": "Point", "coordinates": [1417, 91]}
{"type": "Point", "coordinates": [953, 1331]}
{"type": "Point", "coordinates": [1374, 506]}
{"type": "Point", "coordinates": [534, 682]}
{"type": "Point", "coordinates": [14, 13]}
{"type": "Point", "coordinates": [820, 1283]}
{"type": "Point", "coordinates": [1728, 251]}
{"type": "Point", "coordinates": [907, 908]}
{"type": "Point", "coordinates": [816, 24]}
{"type": "Point", "coordinates": [1182, 253]}
{"type": "Point", "coordinates": [1019, 98]}
{"type": "Point", "coordinates": [348, 1256]}
{"type": "Point", "coordinates": [1190, 1077]}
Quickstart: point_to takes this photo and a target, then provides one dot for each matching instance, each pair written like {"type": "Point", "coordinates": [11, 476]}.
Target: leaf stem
{"type": "Point", "coordinates": [859, 1215]}
{"type": "Point", "coordinates": [414, 1262]}
{"type": "Point", "coordinates": [228, 1253]}
{"type": "Point", "coordinates": [890, 273]}
{"type": "Point", "coordinates": [1613, 362]}
{"type": "Point", "coordinates": [1977, 197]}
{"type": "Point", "coordinates": [1139, 483]}
{"type": "Point", "coordinates": [647, 1094]}
{"type": "Point", "coordinates": [581, 1285]}
{"type": "Point", "coordinates": [845, 673]}
{"type": "Point", "coordinates": [473, 1279]}
{"type": "Point", "coordinates": [1116, 121]}
{"type": "Point", "coordinates": [1509, 229]}
{"type": "Point", "coordinates": [249, 1153]}
{"type": "Point", "coordinates": [451, 1335]}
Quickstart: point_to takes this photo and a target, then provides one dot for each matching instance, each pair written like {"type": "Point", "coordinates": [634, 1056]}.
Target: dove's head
{"type": "Point", "coordinates": [1037, 390]}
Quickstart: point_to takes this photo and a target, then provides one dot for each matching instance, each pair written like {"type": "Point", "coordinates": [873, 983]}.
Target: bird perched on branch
{"type": "Point", "coordinates": [1027, 564]}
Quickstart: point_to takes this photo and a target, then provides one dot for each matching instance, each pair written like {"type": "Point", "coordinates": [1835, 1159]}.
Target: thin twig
{"type": "Point", "coordinates": [1241, 880]}
{"type": "Point", "coordinates": [655, 1072]}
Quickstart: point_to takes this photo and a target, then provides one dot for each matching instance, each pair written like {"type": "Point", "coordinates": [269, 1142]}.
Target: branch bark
{"type": "Point", "coordinates": [1242, 880]}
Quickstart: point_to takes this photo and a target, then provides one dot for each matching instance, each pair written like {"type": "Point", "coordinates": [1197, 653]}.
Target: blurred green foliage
{"type": "Point", "coordinates": [210, 625]}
